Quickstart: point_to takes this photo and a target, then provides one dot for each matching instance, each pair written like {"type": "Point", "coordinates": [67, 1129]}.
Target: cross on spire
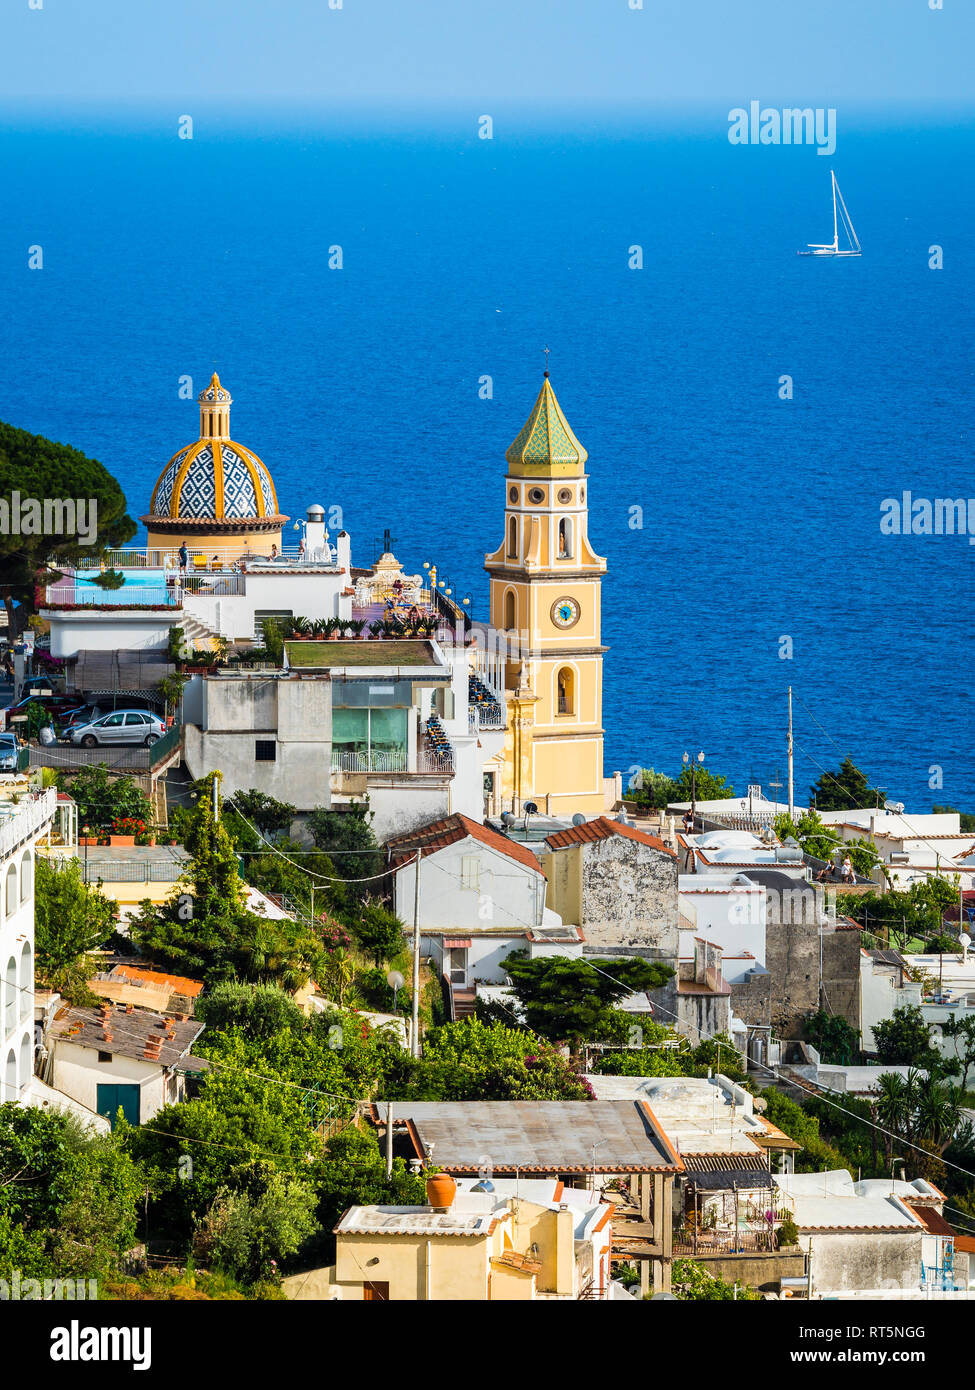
{"type": "Point", "coordinates": [546, 351]}
{"type": "Point", "coordinates": [387, 542]}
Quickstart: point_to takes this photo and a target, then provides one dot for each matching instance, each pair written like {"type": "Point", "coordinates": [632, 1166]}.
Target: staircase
{"type": "Point", "coordinates": [461, 1003]}
{"type": "Point", "coordinates": [196, 632]}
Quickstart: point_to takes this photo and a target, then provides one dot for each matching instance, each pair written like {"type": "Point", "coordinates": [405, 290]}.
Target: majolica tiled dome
{"type": "Point", "coordinates": [214, 480]}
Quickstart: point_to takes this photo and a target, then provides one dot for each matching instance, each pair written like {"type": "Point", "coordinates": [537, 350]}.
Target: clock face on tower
{"type": "Point", "coordinates": [565, 612]}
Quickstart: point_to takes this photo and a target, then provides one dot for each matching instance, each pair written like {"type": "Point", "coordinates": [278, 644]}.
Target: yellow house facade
{"type": "Point", "coordinates": [545, 596]}
{"type": "Point", "coordinates": [484, 1247]}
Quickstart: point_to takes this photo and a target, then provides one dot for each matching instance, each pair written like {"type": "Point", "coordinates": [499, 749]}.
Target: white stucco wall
{"type": "Point", "coordinates": [879, 998]}
{"type": "Point", "coordinates": [78, 1073]}
{"type": "Point", "coordinates": [484, 956]}
{"type": "Point", "coordinates": [733, 918]}
{"type": "Point", "coordinates": [105, 631]}
{"type": "Point", "coordinates": [505, 893]}
{"type": "Point", "coordinates": [17, 942]}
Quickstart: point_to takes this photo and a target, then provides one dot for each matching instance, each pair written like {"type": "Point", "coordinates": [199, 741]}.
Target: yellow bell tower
{"type": "Point", "coordinates": [545, 593]}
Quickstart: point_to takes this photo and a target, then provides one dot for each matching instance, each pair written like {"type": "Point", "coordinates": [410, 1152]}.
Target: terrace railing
{"type": "Point", "coordinates": [426, 763]}
{"type": "Point", "coordinates": [370, 761]}
{"type": "Point", "coordinates": [20, 819]}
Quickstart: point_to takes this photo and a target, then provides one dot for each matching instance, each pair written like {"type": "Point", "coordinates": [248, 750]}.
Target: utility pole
{"type": "Point", "coordinates": [389, 1140]}
{"type": "Point", "coordinates": [791, 782]}
{"type": "Point", "coordinates": [415, 1018]}
{"type": "Point", "coordinates": [216, 796]}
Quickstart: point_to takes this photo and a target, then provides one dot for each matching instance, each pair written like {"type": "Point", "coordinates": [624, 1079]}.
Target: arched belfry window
{"type": "Point", "coordinates": [565, 539]}
{"type": "Point", "coordinates": [510, 615]}
{"type": "Point", "coordinates": [513, 538]}
{"type": "Point", "coordinates": [566, 690]}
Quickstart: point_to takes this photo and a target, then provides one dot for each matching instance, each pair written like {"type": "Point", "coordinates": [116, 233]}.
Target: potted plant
{"type": "Point", "coordinates": [356, 627]}
{"type": "Point", "coordinates": [125, 829]}
{"type": "Point", "coordinates": [376, 630]}
{"type": "Point", "coordinates": [330, 629]}
{"type": "Point", "coordinates": [170, 691]}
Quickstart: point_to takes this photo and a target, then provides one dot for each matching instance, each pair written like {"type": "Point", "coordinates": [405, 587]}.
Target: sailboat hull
{"type": "Point", "coordinates": [829, 252]}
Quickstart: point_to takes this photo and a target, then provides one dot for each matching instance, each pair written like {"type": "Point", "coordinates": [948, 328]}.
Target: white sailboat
{"type": "Point", "coordinates": [840, 218]}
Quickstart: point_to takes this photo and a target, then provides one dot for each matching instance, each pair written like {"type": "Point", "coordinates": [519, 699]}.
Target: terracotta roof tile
{"type": "Point", "coordinates": [600, 829]}
{"type": "Point", "coordinates": [438, 835]}
{"type": "Point", "coordinates": [177, 984]}
{"type": "Point", "coordinates": [931, 1218]}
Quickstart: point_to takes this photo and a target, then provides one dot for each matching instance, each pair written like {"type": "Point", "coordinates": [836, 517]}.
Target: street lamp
{"type": "Point", "coordinates": [693, 762]}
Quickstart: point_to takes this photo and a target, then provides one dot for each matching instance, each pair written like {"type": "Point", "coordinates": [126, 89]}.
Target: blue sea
{"type": "Point", "coordinates": [758, 517]}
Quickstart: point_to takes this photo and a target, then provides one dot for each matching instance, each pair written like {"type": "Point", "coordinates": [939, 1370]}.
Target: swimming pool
{"type": "Point", "coordinates": [141, 586]}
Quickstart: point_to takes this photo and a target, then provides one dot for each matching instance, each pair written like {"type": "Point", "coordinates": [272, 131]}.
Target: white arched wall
{"type": "Point", "coordinates": [26, 990]}
{"type": "Point", "coordinates": [11, 901]}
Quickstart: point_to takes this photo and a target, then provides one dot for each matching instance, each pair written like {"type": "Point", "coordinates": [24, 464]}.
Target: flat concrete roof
{"type": "Point", "coordinates": [536, 1136]}
{"type": "Point", "coordinates": [413, 1221]}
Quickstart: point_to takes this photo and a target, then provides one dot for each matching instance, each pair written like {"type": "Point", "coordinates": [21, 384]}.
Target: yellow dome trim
{"type": "Point", "coordinates": [255, 477]}
{"type": "Point", "coordinates": [180, 478]}
{"type": "Point", "coordinates": [217, 477]}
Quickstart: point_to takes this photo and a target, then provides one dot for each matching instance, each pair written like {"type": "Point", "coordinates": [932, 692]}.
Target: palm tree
{"type": "Point", "coordinates": [893, 1108]}
{"type": "Point", "coordinates": [939, 1112]}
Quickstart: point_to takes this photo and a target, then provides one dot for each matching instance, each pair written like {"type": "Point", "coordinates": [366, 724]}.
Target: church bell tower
{"type": "Point", "coordinates": [545, 594]}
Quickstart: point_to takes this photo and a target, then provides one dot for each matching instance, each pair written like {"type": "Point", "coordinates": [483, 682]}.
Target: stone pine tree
{"type": "Point", "coordinates": [32, 467]}
{"type": "Point", "coordinates": [846, 788]}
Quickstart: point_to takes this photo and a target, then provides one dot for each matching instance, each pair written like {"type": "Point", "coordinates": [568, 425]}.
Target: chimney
{"type": "Point", "coordinates": [343, 551]}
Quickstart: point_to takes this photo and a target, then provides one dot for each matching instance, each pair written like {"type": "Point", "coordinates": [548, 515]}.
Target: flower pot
{"type": "Point", "coordinates": [114, 840]}
{"type": "Point", "coordinates": [441, 1191]}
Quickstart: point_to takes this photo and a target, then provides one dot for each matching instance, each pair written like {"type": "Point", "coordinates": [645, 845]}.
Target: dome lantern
{"type": "Point", "coordinates": [215, 402]}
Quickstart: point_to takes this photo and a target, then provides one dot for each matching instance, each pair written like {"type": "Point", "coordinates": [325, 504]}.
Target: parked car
{"type": "Point", "coordinates": [56, 705]}
{"type": "Point", "coordinates": [121, 726]}
{"type": "Point", "coordinates": [9, 748]}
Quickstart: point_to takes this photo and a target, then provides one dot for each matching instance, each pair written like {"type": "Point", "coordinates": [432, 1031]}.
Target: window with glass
{"type": "Point", "coordinates": [369, 740]}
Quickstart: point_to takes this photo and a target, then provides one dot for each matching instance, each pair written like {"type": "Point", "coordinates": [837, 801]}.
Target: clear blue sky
{"type": "Point", "coordinates": [405, 54]}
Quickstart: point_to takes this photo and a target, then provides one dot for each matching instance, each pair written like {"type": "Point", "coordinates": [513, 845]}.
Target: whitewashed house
{"type": "Point", "coordinates": [22, 824]}
{"type": "Point", "coordinates": [481, 896]}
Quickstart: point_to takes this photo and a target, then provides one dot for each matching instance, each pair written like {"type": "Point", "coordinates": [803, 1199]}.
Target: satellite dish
{"type": "Point", "coordinates": [578, 818]}
{"type": "Point", "coordinates": [506, 818]}
{"type": "Point", "coordinates": [964, 941]}
{"type": "Point", "coordinates": [531, 809]}
{"type": "Point", "coordinates": [395, 980]}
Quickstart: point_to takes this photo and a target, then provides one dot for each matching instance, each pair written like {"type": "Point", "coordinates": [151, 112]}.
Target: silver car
{"type": "Point", "coordinates": [121, 726]}
{"type": "Point", "coordinates": [9, 748]}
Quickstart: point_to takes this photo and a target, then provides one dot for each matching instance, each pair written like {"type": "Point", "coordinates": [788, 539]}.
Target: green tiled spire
{"type": "Point", "coordinates": [546, 442]}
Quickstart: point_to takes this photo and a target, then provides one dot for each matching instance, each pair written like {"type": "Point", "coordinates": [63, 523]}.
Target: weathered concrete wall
{"type": "Point", "coordinates": [752, 999]}
{"type": "Point", "coordinates": [841, 974]}
{"type": "Point", "coordinates": [792, 958]}
{"type": "Point", "coordinates": [862, 1260]}
{"type": "Point", "coordinates": [696, 1016]}
{"type": "Point", "coordinates": [758, 1271]}
{"type": "Point", "coordinates": [629, 895]}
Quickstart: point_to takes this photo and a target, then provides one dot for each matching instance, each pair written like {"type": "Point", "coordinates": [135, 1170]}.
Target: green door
{"type": "Point", "coordinates": [111, 1096]}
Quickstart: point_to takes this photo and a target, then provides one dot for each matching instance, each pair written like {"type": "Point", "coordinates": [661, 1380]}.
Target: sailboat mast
{"type": "Point", "coordinates": [847, 222]}
{"type": "Point", "coordinates": [836, 230]}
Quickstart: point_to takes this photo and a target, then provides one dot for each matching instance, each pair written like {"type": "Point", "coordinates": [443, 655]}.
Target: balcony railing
{"type": "Point", "coordinates": [485, 716]}
{"type": "Point", "coordinates": [157, 558]}
{"type": "Point", "coordinates": [396, 762]}
{"type": "Point", "coordinates": [18, 820]}
{"type": "Point", "coordinates": [370, 761]}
